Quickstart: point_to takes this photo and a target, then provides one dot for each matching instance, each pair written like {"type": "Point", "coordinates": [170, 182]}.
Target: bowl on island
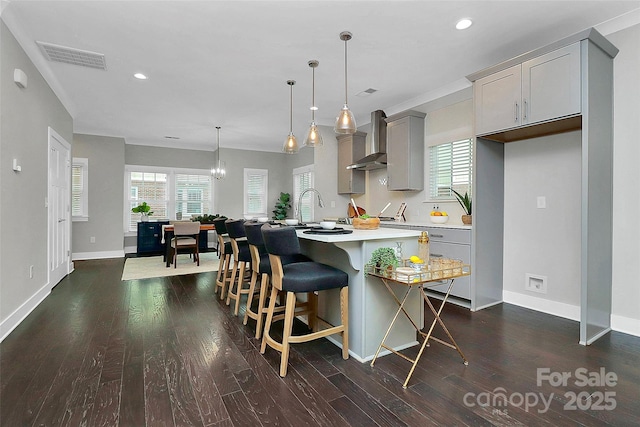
{"type": "Point", "coordinates": [328, 225]}
{"type": "Point", "coordinates": [263, 219]}
{"type": "Point", "coordinates": [290, 221]}
{"type": "Point", "coordinates": [439, 219]}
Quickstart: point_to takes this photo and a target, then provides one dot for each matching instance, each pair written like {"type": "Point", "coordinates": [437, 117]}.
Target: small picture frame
{"type": "Point", "coordinates": [400, 213]}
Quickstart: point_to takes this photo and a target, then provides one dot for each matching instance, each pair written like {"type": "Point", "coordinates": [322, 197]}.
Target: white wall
{"type": "Point", "coordinates": [26, 114]}
{"type": "Point", "coordinates": [544, 242]}
{"type": "Point", "coordinates": [626, 182]}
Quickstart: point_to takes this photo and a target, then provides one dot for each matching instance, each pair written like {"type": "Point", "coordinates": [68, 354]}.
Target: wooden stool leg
{"type": "Point", "coordinates": [232, 282]}
{"type": "Point", "coordinates": [289, 312]}
{"type": "Point", "coordinates": [264, 288]}
{"type": "Point", "coordinates": [344, 314]}
{"type": "Point", "coordinates": [225, 276]}
{"type": "Point", "coordinates": [267, 325]}
{"type": "Point", "coordinates": [243, 265]}
{"type": "Point", "coordinates": [252, 289]}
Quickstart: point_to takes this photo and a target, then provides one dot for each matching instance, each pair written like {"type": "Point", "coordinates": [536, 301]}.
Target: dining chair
{"type": "Point", "coordinates": [186, 235]}
{"type": "Point", "coordinates": [300, 277]}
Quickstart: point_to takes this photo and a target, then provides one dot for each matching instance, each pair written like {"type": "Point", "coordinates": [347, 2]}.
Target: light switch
{"type": "Point", "coordinates": [542, 202]}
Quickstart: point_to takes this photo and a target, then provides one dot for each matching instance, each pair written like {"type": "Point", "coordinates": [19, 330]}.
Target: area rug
{"type": "Point", "coordinates": [147, 267]}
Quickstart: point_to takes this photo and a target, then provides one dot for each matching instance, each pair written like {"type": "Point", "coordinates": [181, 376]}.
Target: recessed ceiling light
{"type": "Point", "coordinates": [463, 24]}
{"type": "Point", "coordinates": [140, 76]}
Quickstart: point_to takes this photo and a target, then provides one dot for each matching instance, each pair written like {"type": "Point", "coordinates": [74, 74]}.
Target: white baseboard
{"type": "Point", "coordinates": [15, 318]}
{"type": "Point", "coordinates": [78, 256]}
{"type": "Point", "coordinates": [559, 309]}
{"type": "Point", "coordinates": [626, 325]}
{"type": "Point", "coordinates": [130, 249]}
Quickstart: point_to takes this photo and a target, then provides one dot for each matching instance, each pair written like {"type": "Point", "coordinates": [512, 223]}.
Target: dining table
{"type": "Point", "coordinates": [167, 235]}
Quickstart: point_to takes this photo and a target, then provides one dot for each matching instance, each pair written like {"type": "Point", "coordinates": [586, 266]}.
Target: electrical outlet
{"type": "Point", "coordinates": [333, 203]}
{"type": "Point", "coordinates": [92, 239]}
{"type": "Point", "coordinates": [541, 202]}
{"type": "Point", "coordinates": [535, 283]}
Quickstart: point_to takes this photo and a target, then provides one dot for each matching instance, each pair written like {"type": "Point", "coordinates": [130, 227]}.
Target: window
{"type": "Point", "coordinates": [80, 189]}
{"type": "Point", "coordinates": [302, 180]}
{"type": "Point", "coordinates": [450, 167]}
{"type": "Point", "coordinates": [255, 191]}
{"type": "Point", "coordinates": [168, 191]}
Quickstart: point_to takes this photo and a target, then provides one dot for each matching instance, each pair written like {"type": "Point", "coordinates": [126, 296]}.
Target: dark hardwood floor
{"type": "Point", "coordinates": [165, 352]}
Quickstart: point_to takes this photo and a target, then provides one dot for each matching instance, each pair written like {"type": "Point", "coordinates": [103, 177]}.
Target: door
{"type": "Point", "coordinates": [59, 213]}
{"type": "Point", "coordinates": [551, 85]}
{"type": "Point", "coordinates": [497, 100]}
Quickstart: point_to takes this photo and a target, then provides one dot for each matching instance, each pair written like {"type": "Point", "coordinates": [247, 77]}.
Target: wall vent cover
{"type": "Point", "coordinates": [69, 55]}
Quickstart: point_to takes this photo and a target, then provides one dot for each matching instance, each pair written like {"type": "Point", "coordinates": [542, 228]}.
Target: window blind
{"type": "Point", "coordinates": [255, 186]}
{"type": "Point", "coordinates": [450, 167]}
{"type": "Point", "coordinates": [79, 188]}
{"type": "Point", "coordinates": [193, 194]}
{"type": "Point", "coordinates": [303, 180]}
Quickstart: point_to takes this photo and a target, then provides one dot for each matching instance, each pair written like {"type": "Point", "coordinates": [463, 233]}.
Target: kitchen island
{"type": "Point", "coordinates": [371, 308]}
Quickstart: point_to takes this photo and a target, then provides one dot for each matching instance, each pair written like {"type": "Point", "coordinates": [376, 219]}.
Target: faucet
{"type": "Point", "coordinates": [299, 211]}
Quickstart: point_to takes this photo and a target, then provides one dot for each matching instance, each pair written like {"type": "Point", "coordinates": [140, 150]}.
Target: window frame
{"type": "Point", "coordinates": [170, 192]}
{"type": "Point", "coordinates": [453, 170]}
{"type": "Point", "coordinates": [308, 201]}
{"type": "Point", "coordinates": [265, 191]}
{"type": "Point", "coordinates": [83, 163]}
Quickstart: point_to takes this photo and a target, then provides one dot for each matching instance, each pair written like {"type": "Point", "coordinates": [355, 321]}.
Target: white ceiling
{"type": "Point", "coordinates": [226, 63]}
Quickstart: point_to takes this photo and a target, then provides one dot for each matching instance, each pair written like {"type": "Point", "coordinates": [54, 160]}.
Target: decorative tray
{"type": "Point", "coordinates": [445, 269]}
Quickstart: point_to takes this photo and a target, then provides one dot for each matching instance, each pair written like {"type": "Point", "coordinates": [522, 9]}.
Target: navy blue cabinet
{"type": "Point", "coordinates": [150, 238]}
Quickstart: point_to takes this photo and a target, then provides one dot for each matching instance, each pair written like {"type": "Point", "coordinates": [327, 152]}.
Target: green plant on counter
{"type": "Point", "coordinates": [383, 258]}
{"type": "Point", "coordinates": [282, 206]}
{"type": "Point", "coordinates": [465, 201]}
{"type": "Point", "coordinates": [206, 218]}
{"type": "Point", "coordinates": [143, 208]}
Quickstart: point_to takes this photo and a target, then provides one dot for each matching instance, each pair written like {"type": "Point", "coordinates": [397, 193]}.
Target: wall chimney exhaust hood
{"type": "Point", "coordinates": [378, 157]}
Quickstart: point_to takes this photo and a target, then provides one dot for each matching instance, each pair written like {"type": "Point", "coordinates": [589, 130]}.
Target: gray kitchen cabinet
{"type": "Point", "coordinates": [350, 149]}
{"type": "Point", "coordinates": [593, 118]}
{"type": "Point", "coordinates": [453, 244]}
{"type": "Point", "coordinates": [538, 90]}
{"type": "Point", "coordinates": [405, 151]}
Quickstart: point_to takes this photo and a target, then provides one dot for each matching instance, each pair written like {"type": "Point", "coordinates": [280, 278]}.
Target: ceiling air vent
{"type": "Point", "coordinates": [72, 56]}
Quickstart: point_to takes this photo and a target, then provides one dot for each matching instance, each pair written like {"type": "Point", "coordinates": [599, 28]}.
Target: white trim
{"type": "Point", "coordinates": [19, 314]}
{"type": "Point", "coordinates": [560, 309]}
{"type": "Point", "coordinates": [81, 256]}
{"type": "Point", "coordinates": [626, 325]}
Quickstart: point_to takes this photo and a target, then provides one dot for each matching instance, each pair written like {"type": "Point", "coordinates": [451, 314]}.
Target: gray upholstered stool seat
{"type": "Point", "coordinates": [300, 277]}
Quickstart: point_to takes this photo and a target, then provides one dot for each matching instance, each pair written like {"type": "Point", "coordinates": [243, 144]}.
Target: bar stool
{"type": "Point", "coordinates": [241, 257]}
{"type": "Point", "coordinates": [224, 253]}
{"type": "Point", "coordinates": [261, 267]}
{"type": "Point", "coordinates": [299, 277]}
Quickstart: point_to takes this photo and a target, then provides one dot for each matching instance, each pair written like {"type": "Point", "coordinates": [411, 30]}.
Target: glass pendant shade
{"type": "Point", "coordinates": [291, 143]}
{"type": "Point", "coordinates": [314, 138]}
{"type": "Point", "coordinates": [219, 171]}
{"type": "Point", "coordinates": [345, 122]}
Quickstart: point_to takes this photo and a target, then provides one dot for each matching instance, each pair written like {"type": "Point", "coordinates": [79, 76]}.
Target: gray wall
{"type": "Point", "coordinates": [106, 197]}
{"type": "Point", "coordinates": [25, 115]}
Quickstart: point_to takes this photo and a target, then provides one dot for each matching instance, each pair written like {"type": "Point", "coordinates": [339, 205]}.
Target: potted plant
{"type": "Point", "coordinates": [384, 259]}
{"type": "Point", "coordinates": [465, 202]}
{"type": "Point", "coordinates": [282, 206]}
{"type": "Point", "coordinates": [144, 210]}
{"type": "Point", "coordinates": [206, 218]}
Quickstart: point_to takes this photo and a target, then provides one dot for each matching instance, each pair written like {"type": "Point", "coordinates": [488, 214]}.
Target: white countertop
{"type": "Point", "coordinates": [449, 224]}
{"type": "Point", "coordinates": [359, 235]}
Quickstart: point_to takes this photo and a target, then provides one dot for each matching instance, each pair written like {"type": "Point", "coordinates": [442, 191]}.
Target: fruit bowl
{"type": "Point", "coordinates": [439, 219]}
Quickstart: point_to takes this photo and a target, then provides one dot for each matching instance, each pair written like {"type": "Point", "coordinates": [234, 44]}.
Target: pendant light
{"type": "Point", "coordinates": [291, 143]}
{"type": "Point", "coordinates": [345, 122]}
{"type": "Point", "coordinates": [219, 169]}
{"type": "Point", "coordinates": [314, 138]}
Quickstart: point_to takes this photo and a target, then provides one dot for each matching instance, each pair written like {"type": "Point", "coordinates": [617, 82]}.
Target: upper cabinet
{"type": "Point", "coordinates": [405, 151]}
{"type": "Point", "coordinates": [350, 149]}
{"type": "Point", "coordinates": [541, 89]}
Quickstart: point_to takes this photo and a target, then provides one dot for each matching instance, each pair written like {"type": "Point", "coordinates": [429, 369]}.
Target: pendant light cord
{"type": "Point", "coordinates": [291, 108]}
{"type": "Point", "coordinates": [345, 72]}
{"type": "Point", "coordinates": [313, 94]}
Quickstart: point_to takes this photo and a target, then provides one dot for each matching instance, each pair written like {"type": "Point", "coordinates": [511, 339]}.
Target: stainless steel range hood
{"type": "Point", "coordinates": [378, 157]}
